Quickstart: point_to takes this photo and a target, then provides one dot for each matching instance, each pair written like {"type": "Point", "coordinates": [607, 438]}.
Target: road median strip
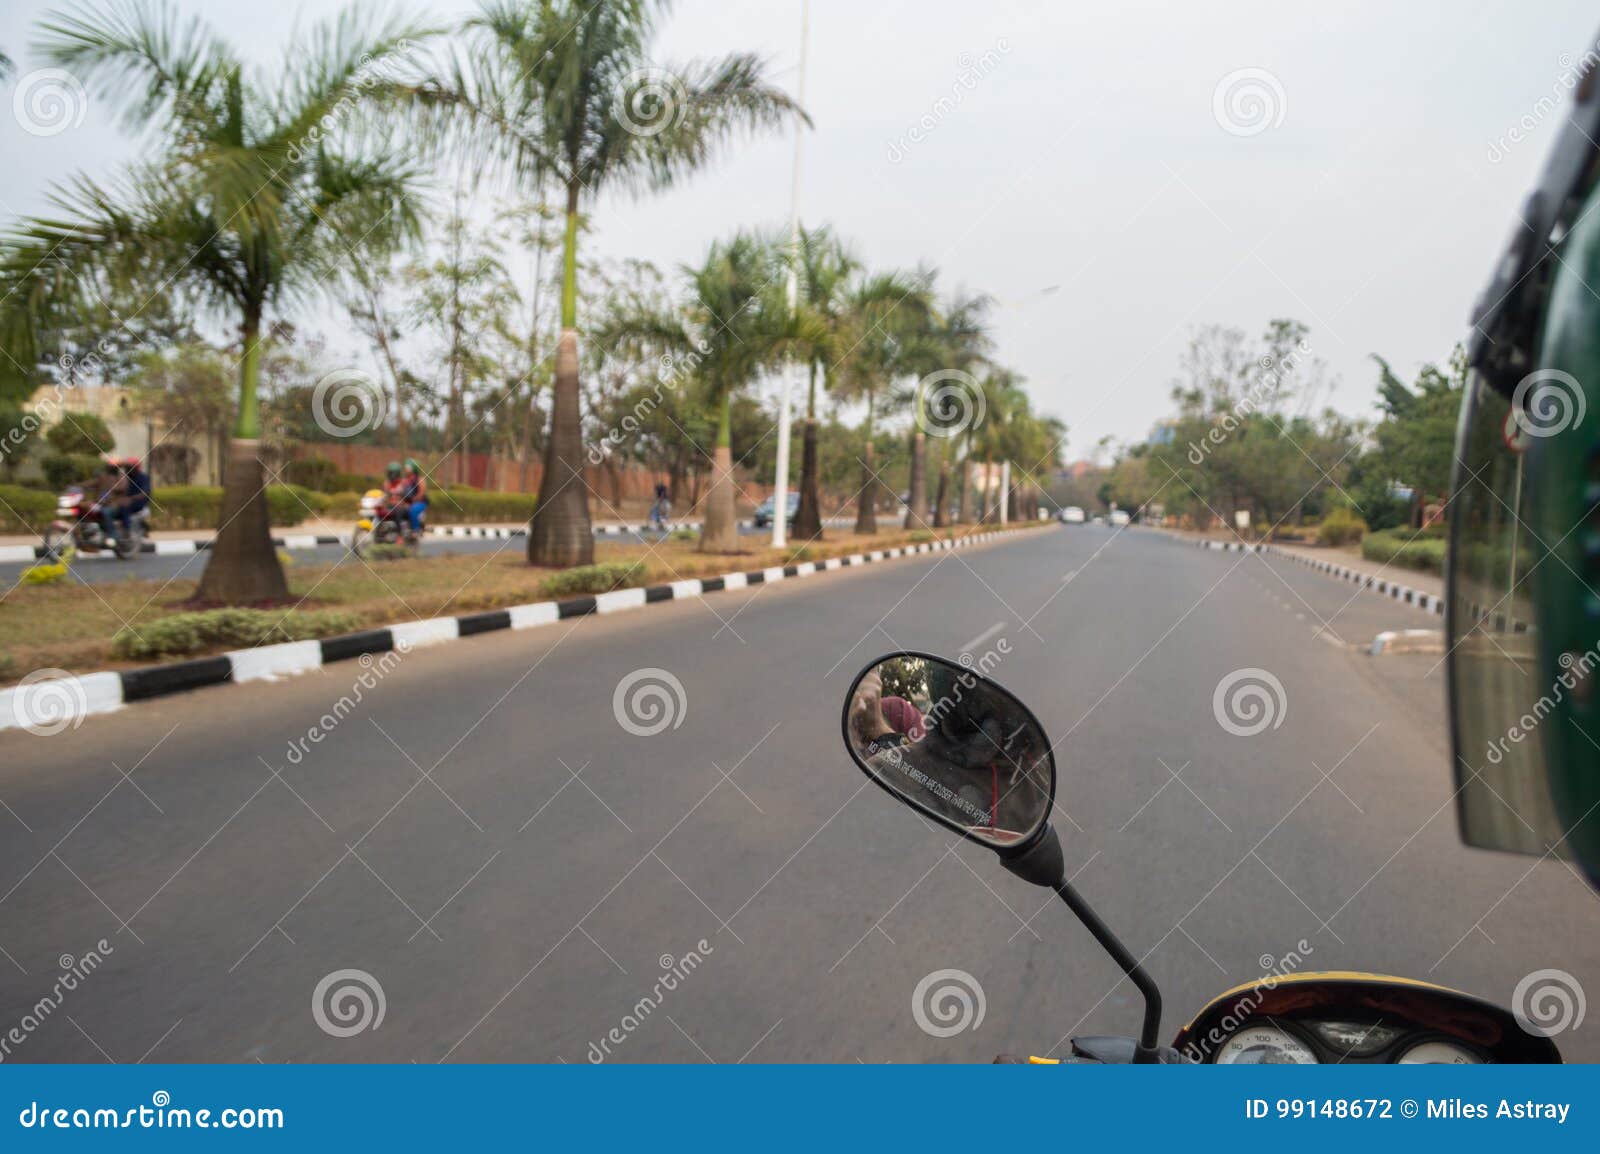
{"type": "Point", "coordinates": [50, 705]}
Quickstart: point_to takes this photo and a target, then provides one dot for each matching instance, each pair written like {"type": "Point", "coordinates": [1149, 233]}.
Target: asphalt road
{"type": "Point", "coordinates": [481, 834]}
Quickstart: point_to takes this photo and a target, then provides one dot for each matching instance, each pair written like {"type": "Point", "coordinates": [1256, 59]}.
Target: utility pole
{"type": "Point", "coordinates": [780, 483]}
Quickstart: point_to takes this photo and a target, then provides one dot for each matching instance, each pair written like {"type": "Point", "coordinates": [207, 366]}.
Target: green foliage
{"type": "Point", "coordinates": [460, 505]}
{"type": "Point", "coordinates": [63, 469]}
{"type": "Point", "coordinates": [80, 434]}
{"type": "Point", "coordinates": [1402, 548]}
{"type": "Point", "coordinates": [25, 510]}
{"type": "Point", "coordinates": [183, 634]}
{"type": "Point", "coordinates": [589, 579]}
{"type": "Point", "coordinates": [1340, 527]}
{"type": "Point", "coordinates": [200, 506]}
{"type": "Point", "coordinates": [19, 436]}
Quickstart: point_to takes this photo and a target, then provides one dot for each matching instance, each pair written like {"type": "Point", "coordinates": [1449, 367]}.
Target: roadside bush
{"type": "Point", "coordinates": [1397, 547]}
{"type": "Point", "coordinates": [918, 536]}
{"type": "Point", "coordinates": [200, 506]}
{"type": "Point", "coordinates": [25, 510]}
{"type": "Point", "coordinates": [44, 574]}
{"type": "Point", "coordinates": [312, 472]}
{"type": "Point", "coordinates": [63, 469]}
{"type": "Point", "coordinates": [1340, 527]}
{"type": "Point", "coordinates": [602, 578]}
{"type": "Point", "coordinates": [183, 634]}
{"type": "Point", "coordinates": [80, 434]}
{"type": "Point", "coordinates": [460, 505]}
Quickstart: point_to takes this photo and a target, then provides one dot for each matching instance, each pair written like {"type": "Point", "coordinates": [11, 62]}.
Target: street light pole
{"type": "Point", "coordinates": [780, 485]}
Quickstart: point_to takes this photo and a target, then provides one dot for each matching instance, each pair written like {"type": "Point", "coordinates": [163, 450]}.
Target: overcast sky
{"type": "Point", "coordinates": [1366, 193]}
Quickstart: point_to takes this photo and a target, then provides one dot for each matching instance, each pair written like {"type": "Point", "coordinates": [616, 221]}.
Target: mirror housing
{"type": "Point", "coordinates": [958, 748]}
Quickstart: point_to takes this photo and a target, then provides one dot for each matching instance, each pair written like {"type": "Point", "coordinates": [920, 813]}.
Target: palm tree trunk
{"type": "Point", "coordinates": [989, 510]}
{"type": "Point", "coordinates": [941, 507]}
{"type": "Point", "coordinates": [721, 531]}
{"type": "Point", "coordinates": [917, 507]}
{"type": "Point", "coordinates": [243, 567]}
{"type": "Point", "coordinates": [560, 532]}
{"type": "Point", "coordinates": [808, 517]}
{"type": "Point", "coordinates": [867, 501]}
{"type": "Point", "coordinates": [964, 505]}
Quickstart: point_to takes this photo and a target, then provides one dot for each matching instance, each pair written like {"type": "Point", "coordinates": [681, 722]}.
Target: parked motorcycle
{"type": "Point", "coordinates": [380, 523]}
{"type": "Point", "coordinates": [77, 525]}
{"type": "Point", "coordinates": [957, 748]}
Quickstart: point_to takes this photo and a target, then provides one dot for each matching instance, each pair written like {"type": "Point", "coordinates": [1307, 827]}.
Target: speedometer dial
{"type": "Point", "coordinates": [1265, 1045]}
{"type": "Point", "coordinates": [1440, 1054]}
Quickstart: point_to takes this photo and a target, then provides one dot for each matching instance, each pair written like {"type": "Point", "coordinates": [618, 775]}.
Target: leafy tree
{"type": "Point", "coordinates": [887, 315]}
{"type": "Point", "coordinates": [563, 90]}
{"type": "Point", "coordinates": [83, 434]}
{"type": "Point", "coordinates": [188, 390]}
{"type": "Point", "coordinates": [250, 195]}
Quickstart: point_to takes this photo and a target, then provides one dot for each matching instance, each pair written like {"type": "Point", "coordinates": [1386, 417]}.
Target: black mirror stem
{"type": "Point", "coordinates": [1044, 865]}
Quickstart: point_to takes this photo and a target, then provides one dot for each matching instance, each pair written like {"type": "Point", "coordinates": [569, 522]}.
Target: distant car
{"type": "Point", "coordinates": [1072, 515]}
{"type": "Point", "coordinates": [764, 510]}
{"type": "Point", "coordinates": [1099, 520]}
{"type": "Point", "coordinates": [1119, 518]}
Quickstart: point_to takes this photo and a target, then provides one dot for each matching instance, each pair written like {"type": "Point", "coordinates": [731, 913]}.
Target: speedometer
{"type": "Point", "coordinates": [1440, 1054]}
{"type": "Point", "coordinates": [1263, 1046]}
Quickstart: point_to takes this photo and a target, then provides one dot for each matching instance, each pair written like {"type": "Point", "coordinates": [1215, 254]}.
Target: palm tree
{"type": "Point", "coordinates": [564, 90]}
{"type": "Point", "coordinates": [955, 343]}
{"type": "Point", "coordinates": [255, 196]}
{"type": "Point", "coordinates": [1002, 398]}
{"type": "Point", "coordinates": [825, 268]}
{"type": "Point", "coordinates": [734, 325]}
{"type": "Point", "coordinates": [886, 315]}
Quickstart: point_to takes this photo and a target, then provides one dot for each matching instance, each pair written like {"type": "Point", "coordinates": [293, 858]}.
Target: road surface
{"type": "Point", "coordinates": [519, 863]}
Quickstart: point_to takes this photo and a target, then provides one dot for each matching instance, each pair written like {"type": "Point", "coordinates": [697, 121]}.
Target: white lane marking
{"type": "Point", "coordinates": [982, 637]}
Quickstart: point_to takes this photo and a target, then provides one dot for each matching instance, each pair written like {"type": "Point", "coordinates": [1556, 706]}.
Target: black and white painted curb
{"type": "Point", "coordinates": [1429, 641]}
{"type": "Point", "coordinates": [48, 706]}
{"type": "Point", "coordinates": [9, 553]}
{"type": "Point", "coordinates": [1427, 602]}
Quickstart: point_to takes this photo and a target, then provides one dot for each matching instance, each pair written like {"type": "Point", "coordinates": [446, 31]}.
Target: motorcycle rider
{"type": "Point", "coordinates": [133, 496]}
{"type": "Point", "coordinates": [416, 495]}
{"type": "Point", "coordinates": [102, 493]}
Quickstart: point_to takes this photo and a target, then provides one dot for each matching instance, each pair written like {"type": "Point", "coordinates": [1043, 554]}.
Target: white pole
{"type": "Point", "coordinates": [1005, 490]}
{"type": "Point", "coordinates": [780, 483]}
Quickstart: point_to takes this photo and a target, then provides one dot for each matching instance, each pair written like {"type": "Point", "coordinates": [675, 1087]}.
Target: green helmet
{"type": "Point", "coordinates": [412, 466]}
{"type": "Point", "coordinates": [1523, 599]}
{"type": "Point", "coordinates": [392, 469]}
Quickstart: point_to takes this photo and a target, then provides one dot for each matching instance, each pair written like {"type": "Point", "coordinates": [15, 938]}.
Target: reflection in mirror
{"type": "Point", "coordinates": [954, 746]}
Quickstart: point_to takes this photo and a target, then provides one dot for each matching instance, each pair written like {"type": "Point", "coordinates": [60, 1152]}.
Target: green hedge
{"type": "Point", "coordinates": [200, 506]}
{"type": "Point", "coordinates": [183, 634]}
{"type": "Point", "coordinates": [25, 510]}
{"type": "Point", "coordinates": [470, 506]}
{"type": "Point", "coordinates": [1402, 547]}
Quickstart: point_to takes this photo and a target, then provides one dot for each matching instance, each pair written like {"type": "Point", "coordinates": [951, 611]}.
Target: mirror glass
{"type": "Point", "coordinates": [954, 745]}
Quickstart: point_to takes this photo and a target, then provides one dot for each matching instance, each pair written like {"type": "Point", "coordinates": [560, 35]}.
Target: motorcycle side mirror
{"type": "Point", "coordinates": [955, 747]}
{"type": "Point", "coordinates": [959, 749]}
